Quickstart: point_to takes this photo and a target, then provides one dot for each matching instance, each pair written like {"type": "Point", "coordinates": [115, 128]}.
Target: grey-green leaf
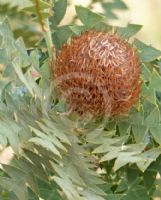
{"type": "Point", "coordinates": [59, 10]}
{"type": "Point", "coordinates": [87, 17]}
{"type": "Point", "coordinates": [147, 52]}
{"type": "Point", "coordinates": [61, 35]}
{"type": "Point", "coordinates": [156, 133]}
{"type": "Point", "coordinates": [129, 31]}
{"type": "Point", "coordinates": [153, 118]}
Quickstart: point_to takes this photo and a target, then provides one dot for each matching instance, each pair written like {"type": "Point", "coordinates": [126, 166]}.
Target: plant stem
{"type": "Point", "coordinates": [48, 39]}
{"type": "Point", "coordinates": [45, 27]}
{"type": "Point", "coordinates": [39, 15]}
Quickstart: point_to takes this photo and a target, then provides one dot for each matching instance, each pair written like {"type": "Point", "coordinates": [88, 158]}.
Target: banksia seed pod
{"type": "Point", "coordinates": [98, 73]}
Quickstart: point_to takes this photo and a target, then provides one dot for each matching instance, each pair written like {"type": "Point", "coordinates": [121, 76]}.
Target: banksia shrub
{"type": "Point", "coordinates": [98, 73]}
{"type": "Point", "coordinates": [60, 156]}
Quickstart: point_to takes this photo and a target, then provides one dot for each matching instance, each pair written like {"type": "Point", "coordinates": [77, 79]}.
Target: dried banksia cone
{"type": "Point", "coordinates": [98, 73]}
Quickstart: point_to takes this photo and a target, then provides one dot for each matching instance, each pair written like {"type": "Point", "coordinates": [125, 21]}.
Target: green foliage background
{"type": "Point", "coordinates": [67, 158]}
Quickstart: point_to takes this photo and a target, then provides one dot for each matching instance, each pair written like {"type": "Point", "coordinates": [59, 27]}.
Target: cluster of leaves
{"type": "Point", "coordinates": [24, 18]}
{"type": "Point", "coordinates": [58, 157]}
{"type": "Point", "coordinates": [109, 7]}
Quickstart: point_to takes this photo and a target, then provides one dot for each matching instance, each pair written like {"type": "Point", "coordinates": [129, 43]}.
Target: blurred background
{"type": "Point", "coordinates": [144, 12]}
{"type": "Point", "coordinates": [119, 13]}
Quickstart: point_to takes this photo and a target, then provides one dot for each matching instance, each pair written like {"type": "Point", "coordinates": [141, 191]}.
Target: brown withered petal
{"type": "Point", "coordinates": [98, 73]}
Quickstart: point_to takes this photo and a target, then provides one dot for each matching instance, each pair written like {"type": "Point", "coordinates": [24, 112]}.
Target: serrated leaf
{"type": "Point", "coordinates": [148, 157]}
{"type": "Point", "coordinates": [103, 27]}
{"type": "Point", "coordinates": [31, 168]}
{"type": "Point", "coordinates": [108, 144]}
{"type": "Point", "coordinates": [124, 159]}
{"type": "Point", "coordinates": [14, 173]}
{"type": "Point", "coordinates": [129, 31]}
{"type": "Point", "coordinates": [156, 133]}
{"type": "Point", "coordinates": [20, 45]}
{"type": "Point", "coordinates": [61, 35]}
{"type": "Point", "coordinates": [59, 10]}
{"type": "Point", "coordinates": [22, 76]}
{"type": "Point", "coordinates": [10, 131]}
{"type": "Point", "coordinates": [124, 154]}
{"type": "Point", "coordinates": [155, 81]}
{"type": "Point", "coordinates": [38, 160]}
{"type": "Point", "coordinates": [45, 144]}
{"type": "Point", "coordinates": [137, 117]}
{"type": "Point", "coordinates": [147, 52]}
{"type": "Point", "coordinates": [87, 17]}
{"type": "Point", "coordinates": [145, 72]}
{"type": "Point", "coordinates": [37, 91]}
{"type": "Point", "coordinates": [77, 30]}
{"type": "Point", "coordinates": [113, 153]}
{"type": "Point", "coordinates": [139, 132]}
{"type": "Point", "coordinates": [153, 119]}
{"type": "Point", "coordinates": [16, 186]}
{"type": "Point", "coordinates": [124, 128]}
{"type": "Point", "coordinates": [131, 151]}
{"type": "Point", "coordinates": [69, 172]}
{"type": "Point", "coordinates": [48, 137]}
{"type": "Point", "coordinates": [148, 94]}
{"type": "Point", "coordinates": [97, 136]}
{"type": "Point", "coordinates": [148, 108]}
{"type": "Point", "coordinates": [6, 32]}
{"type": "Point", "coordinates": [67, 186]}
{"type": "Point", "coordinates": [56, 131]}
{"type": "Point", "coordinates": [18, 174]}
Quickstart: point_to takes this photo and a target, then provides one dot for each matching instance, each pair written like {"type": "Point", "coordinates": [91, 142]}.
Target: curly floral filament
{"type": "Point", "coordinates": [106, 67]}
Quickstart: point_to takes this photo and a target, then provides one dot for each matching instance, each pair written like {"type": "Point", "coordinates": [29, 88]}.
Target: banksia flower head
{"type": "Point", "coordinates": [98, 73]}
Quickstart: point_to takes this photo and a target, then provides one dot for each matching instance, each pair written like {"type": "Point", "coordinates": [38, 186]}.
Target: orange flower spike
{"type": "Point", "coordinates": [98, 73]}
